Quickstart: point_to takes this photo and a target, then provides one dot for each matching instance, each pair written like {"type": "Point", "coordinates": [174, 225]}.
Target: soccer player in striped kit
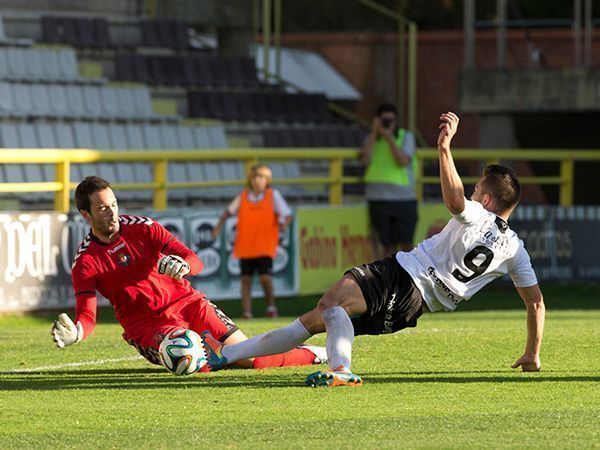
{"type": "Point", "coordinates": [140, 268]}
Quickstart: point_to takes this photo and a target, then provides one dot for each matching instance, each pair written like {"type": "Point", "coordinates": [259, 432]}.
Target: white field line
{"type": "Point", "coordinates": [98, 362]}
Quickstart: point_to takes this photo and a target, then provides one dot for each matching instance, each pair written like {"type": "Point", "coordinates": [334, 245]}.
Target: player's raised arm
{"type": "Point", "coordinates": [452, 187]}
{"type": "Point", "coordinates": [536, 313]}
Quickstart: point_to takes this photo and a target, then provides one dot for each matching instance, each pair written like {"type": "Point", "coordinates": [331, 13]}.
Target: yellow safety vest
{"type": "Point", "coordinates": [383, 167]}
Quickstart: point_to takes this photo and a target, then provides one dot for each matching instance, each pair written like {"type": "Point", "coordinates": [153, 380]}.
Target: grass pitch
{"type": "Point", "coordinates": [445, 384]}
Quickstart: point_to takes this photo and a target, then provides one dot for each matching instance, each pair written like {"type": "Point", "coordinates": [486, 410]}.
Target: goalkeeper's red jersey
{"type": "Point", "coordinates": [125, 272]}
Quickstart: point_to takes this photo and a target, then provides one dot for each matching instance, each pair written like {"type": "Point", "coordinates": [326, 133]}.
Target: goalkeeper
{"type": "Point", "coordinates": [140, 267]}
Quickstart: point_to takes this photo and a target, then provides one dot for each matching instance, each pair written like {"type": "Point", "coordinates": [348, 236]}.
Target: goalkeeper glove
{"type": "Point", "coordinates": [65, 332]}
{"type": "Point", "coordinates": [173, 266]}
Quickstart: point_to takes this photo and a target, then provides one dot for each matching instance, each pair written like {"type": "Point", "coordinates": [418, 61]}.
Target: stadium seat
{"type": "Point", "coordinates": [67, 65]}
{"type": "Point", "coordinates": [101, 33]}
{"type": "Point", "coordinates": [135, 139]}
{"type": "Point", "coordinates": [205, 76]}
{"type": "Point", "coordinates": [110, 103]}
{"type": "Point", "coordinates": [83, 139]}
{"type": "Point", "coordinates": [27, 138]}
{"type": "Point", "coordinates": [50, 67]}
{"type": "Point", "coordinates": [140, 68]}
{"type": "Point", "coordinates": [165, 33]}
{"type": "Point", "coordinates": [142, 102]}
{"type": "Point", "coordinates": [260, 111]}
{"type": "Point", "coordinates": [185, 137]}
{"type": "Point", "coordinates": [46, 138]}
{"type": "Point", "coordinates": [22, 99]}
{"type": "Point", "coordinates": [217, 137]}
{"type": "Point", "coordinates": [34, 68]}
{"type": "Point", "coordinates": [164, 137]}
{"type": "Point", "coordinates": [114, 137]}
{"type": "Point", "coordinates": [199, 70]}
{"type": "Point", "coordinates": [75, 104]}
{"type": "Point", "coordinates": [189, 74]}
{"type": "Point", "coordinates": [299, 138]}
{"type": "Point", "coordinates": [202, 138]}
{"type": "Point", "coordinates": [231, 170]}
{"type": "Point", "coordinates": [65, 139]}
{"type": "Point", "coordinates": [210, 171]}
{"type": "Point", "coordinates": [83, 32]}
{"type": "Point", "coordinates": [58, 101]}
{"type": "Point", "coordinates": [7, 107]}
{"type": "Point", "coordinates": [125, 101]}
{"type": "Point", "coordinates": [84, 28]}
{"type": "Point", "coordinates": [40, 100]}
{"type": "Point", "coordinates": [13, 173]}
{"type": "Point", "coordinates": [16, 63]}
{"type": "Point", "coordinates": [5, 72]}
{"type": "Point", "coordinates": [50, 31]}
{"type": "Point", "coordinates": [270, 137]}
{"type": "Point", "coordinates": [259, 106]}
{"type": "Point", "coordinates": [91, 100]}
{"type": "Point", "coordinates": [5, 40]}
{"type": "Point", "coordinates": [177, 170]}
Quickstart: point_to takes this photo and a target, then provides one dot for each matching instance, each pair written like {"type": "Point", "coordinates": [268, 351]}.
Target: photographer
{"type": "Point", "coordinates": [388, 154]}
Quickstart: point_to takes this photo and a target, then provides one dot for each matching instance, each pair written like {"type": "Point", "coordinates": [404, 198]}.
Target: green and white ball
{"type": "Point", "coordinates": [182, 352]}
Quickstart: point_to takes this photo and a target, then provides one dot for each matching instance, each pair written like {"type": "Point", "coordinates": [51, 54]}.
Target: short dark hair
{"type": "Point", "coordinates": [502, 184]}
{"type": "Point", "coordinates": [387, 107]}
{"type": "Point", "coordinates": [86, 188]}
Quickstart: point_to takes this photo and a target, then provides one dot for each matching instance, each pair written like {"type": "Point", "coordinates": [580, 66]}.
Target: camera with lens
{"type": "Point", "coordinates": [386, 122]}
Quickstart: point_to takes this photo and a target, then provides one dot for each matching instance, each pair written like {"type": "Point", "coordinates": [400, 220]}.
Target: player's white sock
{"type": "Point", "coordinates": [270, 343]}
{"type": "Point", "coordinates": [340, 336]}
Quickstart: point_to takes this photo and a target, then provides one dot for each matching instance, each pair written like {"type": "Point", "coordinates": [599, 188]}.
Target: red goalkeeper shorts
{"type": "Point", "coordinates": [198, 315]}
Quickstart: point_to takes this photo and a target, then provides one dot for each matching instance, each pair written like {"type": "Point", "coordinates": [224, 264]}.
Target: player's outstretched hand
{"type": "Point", "coordinates": [173, 266]}
{"type": "Point", "coordinates": [448, 129]}
{"type": "Point", "coordinates": [528, 363]}
{"type": "Point", "coordinates": [65, 332]}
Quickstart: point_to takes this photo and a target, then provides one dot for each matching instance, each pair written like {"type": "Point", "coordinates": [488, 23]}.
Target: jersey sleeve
{"type": "Point", "coordinates": [84, 286]}
{"type": "Point", "coordinates": [521, 272]}
{"type": "Point", "coordinates": [473, 212]}
{"type": "Point", "coordinates": [168, 244]}
{"type": "Point", "coordinates": [282, 209]}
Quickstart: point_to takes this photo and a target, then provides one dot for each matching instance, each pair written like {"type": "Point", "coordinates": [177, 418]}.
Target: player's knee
{"type": "Point", "coordinates": [337, 295]}
{"type": "Point", "coordinates": [264, 278]}
{"type": "Point", "coordinates": [329, 300]}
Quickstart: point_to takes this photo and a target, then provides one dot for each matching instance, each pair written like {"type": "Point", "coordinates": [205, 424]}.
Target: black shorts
{"type": "Point", "coordinates": [393, 300]}
{"type": "Point", "coordinates": [263, 265]}
{"type": "Point", "coordinates": [394, 222]}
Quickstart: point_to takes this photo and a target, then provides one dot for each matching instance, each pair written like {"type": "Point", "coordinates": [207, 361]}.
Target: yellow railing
{"type": "Point", "coordinates": [566, 159]}
{"type": "Point", "coordinates": [63, 159]}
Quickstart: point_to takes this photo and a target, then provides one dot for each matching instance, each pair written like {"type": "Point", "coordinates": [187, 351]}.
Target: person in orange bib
{"type": "Point", "coordinates": [262, 213]}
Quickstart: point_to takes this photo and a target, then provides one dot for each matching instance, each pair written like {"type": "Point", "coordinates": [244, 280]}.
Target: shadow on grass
{"type": "Point", "coordinates": [151, 378]}
{"type": "Point", "coordinates": [131, 379]}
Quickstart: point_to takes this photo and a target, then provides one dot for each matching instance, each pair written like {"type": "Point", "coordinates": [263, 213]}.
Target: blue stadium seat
{"type": "Point", "coordinates": [177, 170]}
{"type": "Point", "coordinates": [40, 100]}
{"type": "Point", "coordinates": [14, 173]}
{"type": "Point", "coordinates": [83, 139]}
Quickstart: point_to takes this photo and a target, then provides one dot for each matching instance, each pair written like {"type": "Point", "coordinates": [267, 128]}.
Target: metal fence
{"type": "Point", "coordinates": [335, 180]}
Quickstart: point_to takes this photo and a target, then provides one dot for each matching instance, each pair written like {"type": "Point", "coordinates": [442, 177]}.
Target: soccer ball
{"type": "Point", "coordinates": [182, 352]}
